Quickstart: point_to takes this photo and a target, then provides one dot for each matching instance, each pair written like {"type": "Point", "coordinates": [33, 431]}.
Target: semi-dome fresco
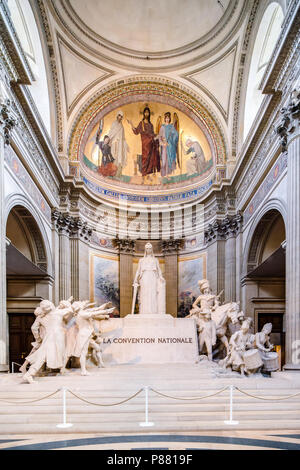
{"type": "Point", "coordinates": [147, 143]}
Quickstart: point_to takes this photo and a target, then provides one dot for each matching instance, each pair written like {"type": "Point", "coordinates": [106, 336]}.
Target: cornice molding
{"type": "Point", "coordinates": [20, 69]}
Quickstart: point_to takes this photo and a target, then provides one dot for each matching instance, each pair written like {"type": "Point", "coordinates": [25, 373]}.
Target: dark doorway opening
{"type": "Point", "coordinates": [20, 338]}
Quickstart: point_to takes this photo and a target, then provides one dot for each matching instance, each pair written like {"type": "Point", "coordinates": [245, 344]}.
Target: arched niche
{"type": "Point", "coordinates": [263, 284]}
{"type": "Point", "coordinates": [28, 282]}
{"type": "Point", "coordinates": [138, 91]}
{"type": "Point", "coordinates": [23, 232]}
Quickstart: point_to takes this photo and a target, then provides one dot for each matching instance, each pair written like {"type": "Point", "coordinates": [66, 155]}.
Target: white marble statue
{"type": "Point", "coordinates": [207, 333]}
{"type": "Point", "coordinates": [239, 343]}
{"type": "Point", "coordinates": [38, 333]}
{"type": "Point", "coordinates": [52, 350]}
{"type": "Point", "coordinates": [223, 315]}
{"type": "Point", "coordinates": [151, 285]}
{"type": "Point", "coordinates": [262, 343]}
{"type": "Point", "coordinates": [206, 300]}
{"type": "Point", "coordinates": [79, 343]}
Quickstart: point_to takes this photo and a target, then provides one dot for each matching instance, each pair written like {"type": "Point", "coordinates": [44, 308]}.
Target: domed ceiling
{"type": "Point", "coordinates": [173, 56]}
{"type": "Point", "coordinates": [142, 26]}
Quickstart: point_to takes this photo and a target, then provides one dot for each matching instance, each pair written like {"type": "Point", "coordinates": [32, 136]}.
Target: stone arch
{"type": "Point", "coordinates": [259, 231]}
{"type": "Point", "coordinates": [34, 229]}
{"type": "Point", "coordinates": [114, 95]}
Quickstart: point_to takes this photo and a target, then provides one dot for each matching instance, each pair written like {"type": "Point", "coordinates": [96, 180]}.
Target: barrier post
{"type": "Point", "coordinates": [231, 421]}
{"type": "Point", "coordinates": [64, 424]}
{"type": "Point", "coordinates": [146, 423]}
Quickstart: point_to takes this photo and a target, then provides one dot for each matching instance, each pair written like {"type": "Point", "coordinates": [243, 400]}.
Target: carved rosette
{"type": "Point", "coordinates": [124, 245]}
{"type": "Point", "coordinates": [7, 120]}
{"type": "Point", "coordinates": [290, 119]}
{"type": "Point", "coordinates": [171, 247]}
{"type": "Point", "coordinates": [73, 227]}
{"type": "Point", "coordinates": [223, 229]}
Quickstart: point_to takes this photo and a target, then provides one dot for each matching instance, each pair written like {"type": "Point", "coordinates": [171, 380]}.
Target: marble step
{"type": "Point", "coordinates": [159, 426]}
{"type": "Point", "coordinates": [139, 407]}
{"type": "Point", "coordinates": [154, 415]}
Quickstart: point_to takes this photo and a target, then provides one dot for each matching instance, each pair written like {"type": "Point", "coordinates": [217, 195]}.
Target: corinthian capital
{"type": "Point", "coordinates": [7, 120]}
{"type": "Point", "coordinates": [124, 245]}
{"type": "Point", "coordinates": [290, 119]}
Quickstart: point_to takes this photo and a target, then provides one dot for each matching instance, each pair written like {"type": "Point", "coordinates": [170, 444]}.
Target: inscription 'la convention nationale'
{"type": "Point", "coordinates": [147, 340]}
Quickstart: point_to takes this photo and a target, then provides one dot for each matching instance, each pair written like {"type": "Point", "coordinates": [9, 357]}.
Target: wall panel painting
{"type": "Point", "coordinates": [191, 268]}
{"type": "Point", "coordinates": [104, 280]}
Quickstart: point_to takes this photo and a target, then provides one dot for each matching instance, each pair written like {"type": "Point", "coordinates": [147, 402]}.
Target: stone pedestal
{"type": "Point", "coordinates": [149, 339]}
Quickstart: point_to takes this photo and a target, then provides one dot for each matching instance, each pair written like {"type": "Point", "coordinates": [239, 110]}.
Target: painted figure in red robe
{"type": "Point", "coordinates": [150, 145]}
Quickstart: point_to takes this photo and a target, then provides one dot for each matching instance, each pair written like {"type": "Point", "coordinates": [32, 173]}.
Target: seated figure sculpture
{"type": "Point", "coordinates": [262, 343]}
{"type": "Point", "coordinates": [239, 343]}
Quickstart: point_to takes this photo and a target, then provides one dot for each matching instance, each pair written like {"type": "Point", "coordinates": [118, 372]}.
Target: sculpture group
{"type": "Point", "coordinates": [245, 352]}
{"type": "Point", "coordinates": [68, 330]}
{"type": "Point", "coordinates": [62, 332]}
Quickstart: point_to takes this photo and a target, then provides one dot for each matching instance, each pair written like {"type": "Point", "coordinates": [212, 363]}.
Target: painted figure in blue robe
{"type": "Point", "coordinates": [168, 139]}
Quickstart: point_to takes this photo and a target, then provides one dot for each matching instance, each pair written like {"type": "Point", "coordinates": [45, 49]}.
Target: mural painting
{"type": "Point", "coordinates": [147, 143]}
{"type": "Point", "coordinates": [190, 270]}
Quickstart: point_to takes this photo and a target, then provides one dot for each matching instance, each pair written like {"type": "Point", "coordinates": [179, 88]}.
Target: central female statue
{"type": "Point", "coordinates": [152, 285]}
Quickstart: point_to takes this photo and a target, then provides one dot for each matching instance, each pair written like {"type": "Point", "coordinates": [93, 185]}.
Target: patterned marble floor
{"type": "Point", "coordinates": [230, 440]}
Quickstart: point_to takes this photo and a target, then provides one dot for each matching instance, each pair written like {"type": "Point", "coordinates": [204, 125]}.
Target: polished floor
{"type": "Point", "coordinates": [230, 440]}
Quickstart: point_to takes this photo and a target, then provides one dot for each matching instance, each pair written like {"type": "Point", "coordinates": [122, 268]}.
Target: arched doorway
{"type": "Point", "coordinates": [263, 285]}
{"type": "Point", "coordinates": [27, 280]}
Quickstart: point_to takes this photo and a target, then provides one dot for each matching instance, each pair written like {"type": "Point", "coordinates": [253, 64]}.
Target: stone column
{"type": "Point", "coordinates": [170, 250]}
{"type": "Point", "coordinates": [289, 132]}
{"type": "Point", "coordinates": [80, 236]}
{"type": "Point", "coordinates": [233, 225]}
{"type": "Point", "coordinates": [126, 248]}
{"type": "Point", "coordinates": [215, 239]}
{"type": "Point", "coordinates": [62, 224]}
{"type": "Point", "coordinates": [7, 122]}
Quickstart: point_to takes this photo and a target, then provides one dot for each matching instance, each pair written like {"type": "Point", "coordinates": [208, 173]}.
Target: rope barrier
{"type": "Point", "coordinates": [267, 399]}
{"type": "Point", "coordinates": [110, 404]}
{"type": "Point", "coordinates": [193, 398]}
{"type": "Point", "coordinates": [31, 401]}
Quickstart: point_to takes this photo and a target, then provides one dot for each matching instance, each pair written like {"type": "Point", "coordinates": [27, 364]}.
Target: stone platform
{"type": "Point", "coordinates": [21, 414]}
{"type": "Point", "coordinates": [149, 339]}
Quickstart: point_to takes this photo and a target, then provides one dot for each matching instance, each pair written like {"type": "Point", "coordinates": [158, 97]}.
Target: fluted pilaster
{"type": "Point", "coordinates": [7, 123]}
{"type": "Point", "coordinates": [289, 132]}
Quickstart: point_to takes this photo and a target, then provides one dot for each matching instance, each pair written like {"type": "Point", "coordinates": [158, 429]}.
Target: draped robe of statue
{"type": "Point", "coordinates": [119, 147]}
{"type": "Point", "coordinates": [152, 290]}
{"type": "Point", "coordinates": [150, 151]}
